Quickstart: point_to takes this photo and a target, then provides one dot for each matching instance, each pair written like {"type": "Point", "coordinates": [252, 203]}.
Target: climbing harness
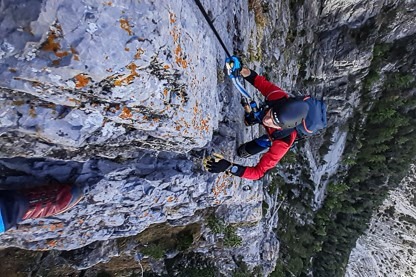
{"type": "Point", "coordinates": [253, 114]}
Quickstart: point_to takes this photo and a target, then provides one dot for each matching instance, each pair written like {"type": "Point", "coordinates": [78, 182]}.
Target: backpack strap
{"type": "Point", "coordinates": [281, 134]}
{"type": "Point", "coordinates": [271, 103]}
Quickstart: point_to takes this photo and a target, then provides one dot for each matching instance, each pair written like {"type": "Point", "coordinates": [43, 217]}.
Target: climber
{"type": "Point", "coordinates": [281, 116]}
{"type": "Point", "coordinates": [19, 205]}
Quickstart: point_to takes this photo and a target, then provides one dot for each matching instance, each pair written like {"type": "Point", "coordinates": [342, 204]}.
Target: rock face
{"type": "Point", "coordinates": [127, 98]}
{"type": "Point", "coordinates": [387, 248]}
{"type": "Point", "coordinates": [121, 98]}
{"type": "Point", "coordinates": [89, 73]}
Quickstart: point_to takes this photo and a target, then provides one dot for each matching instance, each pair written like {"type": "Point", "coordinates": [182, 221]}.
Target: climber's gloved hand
{"type": "Point", "coordinates": [244, 102]}
{"type": "Point", "coordinates": [234, 66]}
{"type": "Point", "coordinates": [217, 166]}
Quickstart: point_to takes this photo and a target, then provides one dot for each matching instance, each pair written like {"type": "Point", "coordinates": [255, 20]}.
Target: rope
{"type": "Point", "coordinates": [236, 83]}
{"type": "Point", "coordinates": [204, 13]}
{"type": "Point", "coordinates": [141, 267]}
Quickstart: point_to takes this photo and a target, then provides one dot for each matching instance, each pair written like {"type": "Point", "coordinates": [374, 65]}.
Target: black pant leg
{"type": "Point", "coordinates": [253, 147]}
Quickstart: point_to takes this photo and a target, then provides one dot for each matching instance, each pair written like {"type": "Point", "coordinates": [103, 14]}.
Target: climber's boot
{"type": "Point", "coordinates": [51, 200]}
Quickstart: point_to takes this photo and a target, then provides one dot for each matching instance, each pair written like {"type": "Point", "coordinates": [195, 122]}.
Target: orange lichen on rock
{"type": "Point", "coordinates": [201, 124]}
{"type": "Point", "coordinates": [178, 50]}
{"type": "Point", "coordinates": [175, 34]}
{"type": "Point", "coordinates": [220, 186]}
{"type": "Point", "coordinates": [179, 56]}
{"type": "Point", "coordinates": [62, 54]}
{"type": "Point", "coordinates": [129, 78]}
{"type": "Point", "coordinates": [133, 68]}
{"type": "Point", "coordinates": [165, 92]}
{"type": "Point", "coordinates": [32, 111]}
{"type": "Point", "coordinates": [204, 126]}
{"type": "Point", "coordinates": [172, 17]}
{"type": "Point", "coordinates": [54, 227]}
{"type": "Point", "coordinates": [81, 80]}
{"type": "Point", "coordinates": [139, 53]}
{"type": "Point", "coordinates": [195, 108]}
{"type": "Point", "coordinates": [125, 113]}
{"type": "Point", "coordinates": [50, 44]}
{"type": "Point", "coordinates": [184, 63]}
{"type": "Point", "coordinates": [52, 243]}
{"type": "Point", "coordinates": [124, 24]}
{"type": "Point", "coordinates": [74, 54]}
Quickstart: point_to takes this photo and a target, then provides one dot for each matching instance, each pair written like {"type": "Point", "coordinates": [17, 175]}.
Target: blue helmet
{"type": "Point", "coordinates": [290, 114]}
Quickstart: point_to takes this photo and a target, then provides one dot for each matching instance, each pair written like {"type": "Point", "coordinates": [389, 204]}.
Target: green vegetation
{"type": "Point", "coordinates": [242, 270]}
{"type": "Point", "coordinates": [155, 251]}
{"type": "Point", "coordinates": [295, 4]}
{"type": "Point", "coordinates": [198, 272]}
{"type": "Point", "coordinates": [379, 151]}
{"type": "Point", "coordinates": [289, 158]}
{"type": "Point", "coordinates": [191, 265]}
{"type": "Point", "coordinates": [184, 240]}
{"type": "Point", "coordinates": [217, 226]}
{"type": "Point", "coordinates": [400, 81]}
{"type": "Point", "coordinates": [277, 182]}
{"type": "Point", "coordinates": [382, 155]}
{"type": "Point", "coordinates": [231, 239]}
{"type": "Point", "coordinates": [162, 240]}
{"type": "Point", "coordinates": [380, 52]}
{"type": "Point", "coordinates": [260, 9]}
{"type": "Point", "coordinates": [333, 230]}
{"type": "Point", "coordinates": [103, 274]}
{"type": "Point", "coordinates": [372, 77]}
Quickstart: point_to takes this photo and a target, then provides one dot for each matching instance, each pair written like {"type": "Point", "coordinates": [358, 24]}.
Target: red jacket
{"type": "Point", "coordinates": [279, 147]}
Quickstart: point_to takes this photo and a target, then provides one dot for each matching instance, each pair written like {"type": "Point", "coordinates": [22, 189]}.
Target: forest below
{"type": "Point", "coordinates": [378, 154]}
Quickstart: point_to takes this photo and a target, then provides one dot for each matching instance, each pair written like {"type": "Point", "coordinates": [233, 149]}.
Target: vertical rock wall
{"type": "Point", "coordinates": [121, 98]}
{"type": "Point", "coordinates": [87, 73]}
{"type": "Point", "coordinates": [126, 98]}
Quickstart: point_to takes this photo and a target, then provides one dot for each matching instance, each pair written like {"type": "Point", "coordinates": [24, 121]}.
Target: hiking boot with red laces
{"type": "Point", "coordinates": [51, 200]}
